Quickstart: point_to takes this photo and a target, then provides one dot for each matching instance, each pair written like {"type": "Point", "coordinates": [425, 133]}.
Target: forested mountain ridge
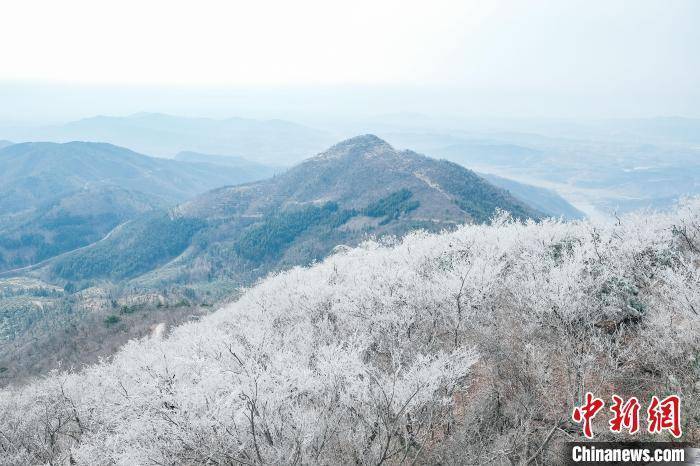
{"type": "Point", "coordinates": [33, 172]}
{"type": "Point", "coordinates": [440, 348]}
{"type": "Point", "coordinates": [67, 222]}
{"type": "Point", "coordinates": [356, 188]}
{"type": "Point", "coordinates": [57, 197]}
{"type": "Point", "coordinates": [361, 170]}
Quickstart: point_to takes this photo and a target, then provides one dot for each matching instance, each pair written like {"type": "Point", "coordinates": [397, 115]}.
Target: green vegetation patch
{"type": "Point", "coordinates": [145, 244]}
{"type": "Point", "coordinates": [268, 239]}
{"type": "Point", "coordinates": [392, 206]}
{"type": "Point", "coordinates": [112, 320]}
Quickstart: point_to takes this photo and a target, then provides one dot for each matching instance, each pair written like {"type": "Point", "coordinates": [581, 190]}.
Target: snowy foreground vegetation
{"type": "Point", "coordinates": [466, 347]}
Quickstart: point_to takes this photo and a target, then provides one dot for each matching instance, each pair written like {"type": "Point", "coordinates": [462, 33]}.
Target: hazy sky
{"type": "Point", "coordinates": [507, 58]}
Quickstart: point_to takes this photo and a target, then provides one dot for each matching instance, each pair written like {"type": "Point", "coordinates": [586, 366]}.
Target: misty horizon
{"type": "Point", "coordinates": [500, 59]}
{"type": "Point", "coordinates": [50, 103]}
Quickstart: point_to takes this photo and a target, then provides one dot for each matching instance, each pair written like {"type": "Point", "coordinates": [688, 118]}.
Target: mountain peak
{"type": "Point", "coordinates": [364, 141]}
{"type": "Point", "coordinates": [365, 145]}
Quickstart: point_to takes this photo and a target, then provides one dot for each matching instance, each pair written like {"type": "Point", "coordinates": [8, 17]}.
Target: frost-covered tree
{"type": "Point", "coordinates": [465, 347]}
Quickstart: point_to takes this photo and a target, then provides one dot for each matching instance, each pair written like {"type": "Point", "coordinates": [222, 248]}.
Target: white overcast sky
{"type": "Point", "coordinates": [633, 49]}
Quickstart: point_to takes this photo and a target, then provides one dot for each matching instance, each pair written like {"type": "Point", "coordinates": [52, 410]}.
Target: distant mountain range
{"type": "Point", "coordinates": [656, 130]}
{"type": "Point", "coordinates": [275, 142]}
{"type": "Point", "coordinates": [240, 163]}
{"type": "Point", "coordinates": [600, 176]}
{"type": "Point", "coordinates": [542, 199]}
{"type": "Point", "coordinates": [56, 197]}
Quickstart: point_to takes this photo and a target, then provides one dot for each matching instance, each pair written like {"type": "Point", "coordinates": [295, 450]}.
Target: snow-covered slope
{"type": "Point", "coordinates": [463, 347]}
